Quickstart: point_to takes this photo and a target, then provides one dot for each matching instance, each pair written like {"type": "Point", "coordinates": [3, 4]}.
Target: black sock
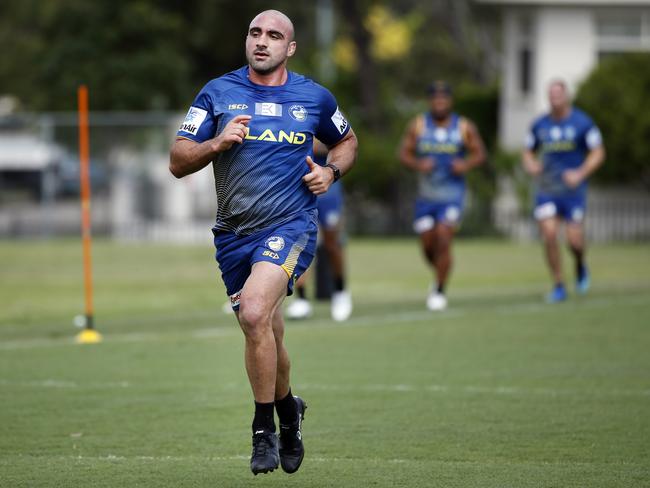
{"type": "Point", "coordinates": [441, 288]}
{"type": "Point", "coordinates": [287, 409]}
{"type": "Point", "coordinates": [263, 419]}
{"type": "Point", "coordinates": [578, 254]}
{"type": "Point", "coordinates": [339, 284]}
{"type": "Point", "coordinates": [300, 290]}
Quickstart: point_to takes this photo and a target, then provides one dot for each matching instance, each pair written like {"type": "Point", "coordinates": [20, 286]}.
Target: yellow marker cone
{"type": "Point", "coordinates": [88, 336]}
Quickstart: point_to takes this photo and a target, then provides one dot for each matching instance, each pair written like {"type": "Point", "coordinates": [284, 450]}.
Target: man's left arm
{"type": "Point", "coordinates": [475, 148]}
{"type": "Point", "coordinates": [593, 161]}
{"type": "Point", "coordinates": [342, 155]}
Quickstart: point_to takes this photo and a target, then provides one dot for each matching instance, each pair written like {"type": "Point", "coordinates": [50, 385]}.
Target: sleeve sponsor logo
{"type": "Point", "coordinates": [530, 140]}
{"type": "Point", "coordinates": [193, 120]}
{"type": "Point", "coordinates": [594, 138]}
{"type": "Point", "coordinates": [268, 109]}
{"type": "Point", "coordinates": [339, 121]}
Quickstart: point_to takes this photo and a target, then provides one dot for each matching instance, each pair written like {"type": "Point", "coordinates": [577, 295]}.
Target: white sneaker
{"type": "Point", "coordinates": [341, 305]}
{"type": "Point", "coordinates": [436, 301]}
{"type": "Point", "coordinates": [299, 308]}
{"type": "Point", "coordinates": [227, 308]}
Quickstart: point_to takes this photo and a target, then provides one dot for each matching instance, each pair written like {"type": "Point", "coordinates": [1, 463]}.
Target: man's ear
{"type": "Point", "coordinates": [291, 49]}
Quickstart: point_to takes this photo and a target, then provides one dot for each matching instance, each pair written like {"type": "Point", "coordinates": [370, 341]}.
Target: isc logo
{"type": "Point", "coordinates": [271, 254]}
{"type": "Point", "coordinates": [237, 106]}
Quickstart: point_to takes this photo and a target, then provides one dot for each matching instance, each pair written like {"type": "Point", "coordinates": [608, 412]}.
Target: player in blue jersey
{"type": "Point", "coordinates": [563, 148]}
{"type": "Point", "coordinates": [256, 126]}
{"type": "Point", "coordinates": [330, 215]}
{"type": "Point", "coordinates": [441, 146]}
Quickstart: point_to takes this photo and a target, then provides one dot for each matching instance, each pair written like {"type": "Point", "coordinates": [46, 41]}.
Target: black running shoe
{"type": "Point", "coordinates": [265, 455]}
{"type": "Point", "coordinates": [292, 450]}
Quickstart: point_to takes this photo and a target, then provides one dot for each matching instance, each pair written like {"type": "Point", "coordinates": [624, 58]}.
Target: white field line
{"type": "Point", "coordinates": [113, 458]}
{"type": "Point", "coordinates": [401, 317]}
{"type": "Point", "coordinates": [63, 384]}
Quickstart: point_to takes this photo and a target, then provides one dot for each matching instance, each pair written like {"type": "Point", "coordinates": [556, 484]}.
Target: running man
{"type": "Point", "coordinates": [256, 126]}
{"type": "Point", "coordinates": [330, 210]}
{"type": "Point", "coordinates": [441, 146]}
{"type": "Point", "coordinates": [570, 149]}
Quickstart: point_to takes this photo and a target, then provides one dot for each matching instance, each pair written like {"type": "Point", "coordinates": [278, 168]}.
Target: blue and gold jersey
{"type": "Point", "coordinates": [562, 144]}
{"type": "Point", "coordinates": [259, 183]}
{"type": "Point", "coordinates": [443, 144]}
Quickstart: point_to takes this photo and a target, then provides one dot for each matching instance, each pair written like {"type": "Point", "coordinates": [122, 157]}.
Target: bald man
{"type": "Point", "coordinates": [563, 148]}
{"type": "Point", "coordinates": [256, 126]}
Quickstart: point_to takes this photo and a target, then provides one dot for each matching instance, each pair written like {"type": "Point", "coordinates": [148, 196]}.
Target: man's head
{"type": "Point", "coordinates": [558, 96]}
{"type": "Point", "coordinates": [269, 41]}
{"type": "Point", "coordinates": [440, 99]}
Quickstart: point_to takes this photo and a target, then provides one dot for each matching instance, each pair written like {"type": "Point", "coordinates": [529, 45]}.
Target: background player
{"type": "Point", "coordinates": [441, 146]}
{"type": "Point", "coordinates": [330, 209]}
{"type": "Point", "coordinates": [571, 149]}
{"type": "Point", "coordinates": [255, 125]}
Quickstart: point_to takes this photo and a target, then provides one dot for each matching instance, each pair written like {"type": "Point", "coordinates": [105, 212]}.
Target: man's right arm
{"type": "Point", "coordinates": [187, 156]}
{"type": "Point", "coordinates": [407, 151]}
{"type": "Point", "coordinates": [529, 160]}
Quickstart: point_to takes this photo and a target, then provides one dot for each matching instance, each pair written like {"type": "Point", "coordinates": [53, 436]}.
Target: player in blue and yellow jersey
{"type": "Point", "coordinates": [256, 126]}
{"type": "Point", "coordinates": [563, 148]}
{"type": "Point", "coordinates": [441, 146]}
{"type": "Point", "coordinates": [330, 222]}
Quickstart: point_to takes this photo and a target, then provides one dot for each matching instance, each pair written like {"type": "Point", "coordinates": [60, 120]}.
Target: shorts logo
{"type": "Point", "coordinates": [452, 214]}
{"type": "Point", "coordinates": [339, 121]}
{"type": "Point", "coordinates": [235, 299]}
{"type": "Point", "coordinates": [237, 106]}
{"type": "Point", "coordinates": [298, 112]}
{"type": "Point", "coordinates": [193, 120]}
{"type": "Point", "coordinates": [275, 243]}
{"type": "Point", "coordinates": [268, 109]}
{"type": "Point", "coordinates": [271, 254]}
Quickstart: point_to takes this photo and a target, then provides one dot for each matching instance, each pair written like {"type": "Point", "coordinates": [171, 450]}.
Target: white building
{"type": "Point", "coordinates": [547, 39]}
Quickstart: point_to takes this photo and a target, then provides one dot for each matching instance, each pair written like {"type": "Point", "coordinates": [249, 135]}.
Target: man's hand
{"type": "Point", "coordinates": [572, 177]}
{"type": "Point", "coordinates": [319, 178]}
{"type": "Point", "coordinates": [235, 131]}
{"type": "Point", "coordinates": [425, 165]}
{"type": "Point", "coordinates": [532, 166]}
{"type": "Point", "coordinates": [460, 166]}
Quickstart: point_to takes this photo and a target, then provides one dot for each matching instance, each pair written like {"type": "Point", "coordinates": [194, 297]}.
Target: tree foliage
{"type": "Point", "coordinates": [616, 96]}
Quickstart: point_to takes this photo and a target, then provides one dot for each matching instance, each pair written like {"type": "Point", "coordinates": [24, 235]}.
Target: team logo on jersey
{"type": "Point", "coordinates": [275, 243]}
{"type": "Point", "coordinates": [268, 109]}
{"type": "Point", "coordinates": [298, 112]}
{"type": "Point", "coordinates": [339, 121]}
{"type": "Point", "coordinates": [556, 133]}
{"type": "Point", "coordinates": [193, 120]}
{"type": "Point", "coordinates": [440, 134]}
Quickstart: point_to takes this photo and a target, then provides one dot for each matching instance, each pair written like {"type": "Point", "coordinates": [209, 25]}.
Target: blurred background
{"type": "Point", "coordinates": [145, 60]}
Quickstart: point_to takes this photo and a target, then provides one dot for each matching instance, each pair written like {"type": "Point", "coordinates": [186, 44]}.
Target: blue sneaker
{"type": "Point", "coordinates": [557, 295]}
{"type": "Point", "coordinates": [583, 282]}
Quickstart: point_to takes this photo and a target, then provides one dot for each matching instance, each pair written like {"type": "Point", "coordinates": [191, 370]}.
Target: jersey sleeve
{"type": "Point", "coordinates": [332, 124]}
{"type": "Point", "coordinates": [592, 136]}
{"type": "Point", "coordinates": [532, 141]}
{"type": "Point", "coordinates": [200, 123]}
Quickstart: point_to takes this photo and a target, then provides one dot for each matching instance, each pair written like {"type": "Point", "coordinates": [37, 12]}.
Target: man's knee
{"type": "Point", "coordinates": [254, 318]}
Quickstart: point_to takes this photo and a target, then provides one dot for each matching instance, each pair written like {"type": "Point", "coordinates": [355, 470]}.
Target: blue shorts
{"type": "Point", "coordinates": [291, 245]}
{"type": "Point", "coordinates": [330, 207]}
{"type": "Point", "coordinates": [429, 213]}
{"type": "Point", "coordinates": [571, 208]}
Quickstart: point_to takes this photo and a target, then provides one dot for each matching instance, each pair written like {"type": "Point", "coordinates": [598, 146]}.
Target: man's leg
{"type": "Point", "coordinates": [443, 237]}
{"type": "Point", "coordinates": [576, 239]}
{"type": "Point", "coordinates": [549, 230]}
{"type": "Point", "coordinates": [427, 242]}
{"type": "Point", "coordinates": [341, 299]}
{"type": "Point", "coordinates": [300, 308]}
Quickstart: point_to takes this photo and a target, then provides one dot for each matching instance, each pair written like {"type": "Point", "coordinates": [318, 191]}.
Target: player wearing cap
{"type": "Point", "coordinates": [441, 146]}
{"type": "Point", "coordinates": [563, 148]}
{"type": "Point", "coordinates": [256, 126]}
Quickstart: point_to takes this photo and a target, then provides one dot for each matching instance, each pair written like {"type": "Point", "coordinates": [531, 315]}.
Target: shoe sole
{"type": "Point", "coordinates": [302, 417]}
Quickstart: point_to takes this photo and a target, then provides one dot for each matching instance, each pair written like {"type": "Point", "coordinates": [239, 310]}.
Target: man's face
{"type": "Point", "coordinates": [269, 43]}
{"type": "Point", "coordinates": [558, 97]}
{"type": "Point", "coordinates": [440, 104]}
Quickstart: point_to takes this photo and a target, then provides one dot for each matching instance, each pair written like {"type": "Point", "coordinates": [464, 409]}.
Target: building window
{"type": "Point", "coordinates": [619, 32]}
{"type": "Point", "coordinates": [525, 70]}
{"type": "Point", "coordinates": [524, 55]}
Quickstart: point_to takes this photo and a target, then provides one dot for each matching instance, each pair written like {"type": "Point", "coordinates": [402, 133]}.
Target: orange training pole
{"type": "Point", "coordinates": [88, 335]}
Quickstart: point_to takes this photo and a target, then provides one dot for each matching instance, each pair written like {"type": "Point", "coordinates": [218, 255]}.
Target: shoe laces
{"type": "Point", "coordinates": [262, 444]}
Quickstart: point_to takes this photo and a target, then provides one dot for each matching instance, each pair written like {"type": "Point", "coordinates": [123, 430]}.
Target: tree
{"type": "Point", "coordinates": [616, 95]}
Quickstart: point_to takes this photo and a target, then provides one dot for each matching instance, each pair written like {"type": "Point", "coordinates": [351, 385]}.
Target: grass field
{"type": "Point", "coordinates": [499, 391]}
